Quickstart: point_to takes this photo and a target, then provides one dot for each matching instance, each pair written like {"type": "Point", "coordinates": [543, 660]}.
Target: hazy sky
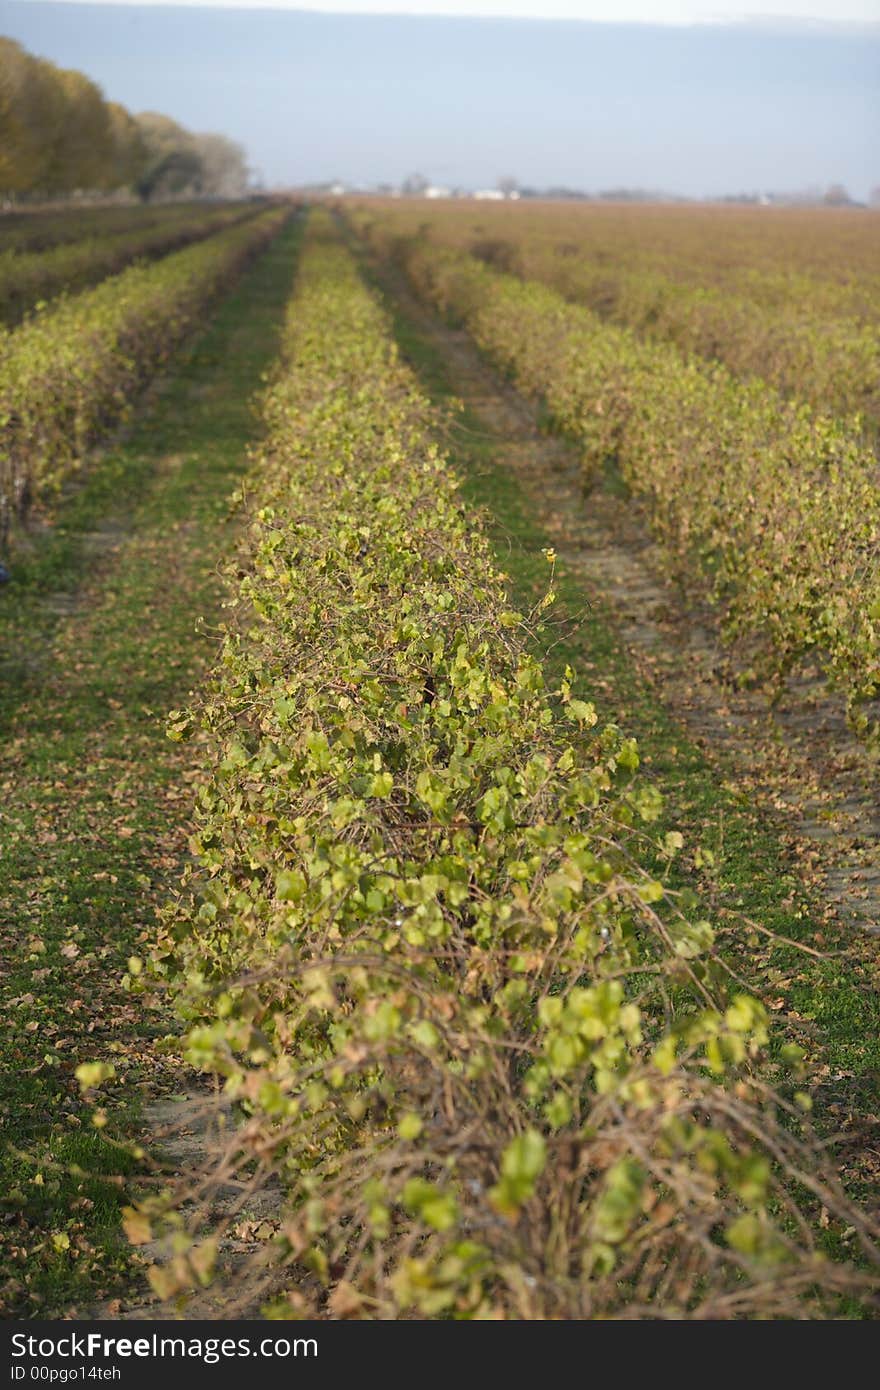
{"type": "Point", "coordinates": [710, 109]}
{"type": "Point", "coordinates": [606, 11]}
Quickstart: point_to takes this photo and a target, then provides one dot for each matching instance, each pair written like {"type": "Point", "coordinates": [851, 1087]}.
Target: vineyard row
{"type": "Point", "coordinates": [69, 374]}
{"type": "Point", "coordinates": [29, 277]}
{"type": "Point", "coordinates": [774, 506]}
{"type": "Point", "coordinates": [425, 945]}
{"type": "Point", "coordinates": [816, 341]}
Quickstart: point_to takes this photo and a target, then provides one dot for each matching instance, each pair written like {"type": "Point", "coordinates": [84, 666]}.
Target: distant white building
{"type": "Point", "coordinates": [493, 195]}
{"type": "Point", "coordinates": [433, 191]}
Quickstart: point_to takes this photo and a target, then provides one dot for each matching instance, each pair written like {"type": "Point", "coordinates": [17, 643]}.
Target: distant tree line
{"type": "Point", "coordinates": [59, 136]}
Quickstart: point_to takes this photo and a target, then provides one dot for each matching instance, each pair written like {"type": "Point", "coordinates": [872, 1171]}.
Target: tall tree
{"type": "Point", "coordinates": [128, 155]}
{"type": "Point", "coordinates": [83, 149]}
{"type": "Point", "coordinates": [224, 166]}
{"type": "Point", "coordinates": [59, 136]}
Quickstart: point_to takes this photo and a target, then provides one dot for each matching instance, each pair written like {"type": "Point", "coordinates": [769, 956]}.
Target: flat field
{"type": "Point", "coordinates": [440, 841]}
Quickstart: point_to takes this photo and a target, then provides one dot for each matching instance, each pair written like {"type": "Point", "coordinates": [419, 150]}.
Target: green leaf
{"type": "Point", "coordinates": [290, 886]}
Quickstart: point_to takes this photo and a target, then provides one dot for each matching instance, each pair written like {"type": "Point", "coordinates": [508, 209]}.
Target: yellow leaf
{"type": "Point", "coordinates": [136, 1226]}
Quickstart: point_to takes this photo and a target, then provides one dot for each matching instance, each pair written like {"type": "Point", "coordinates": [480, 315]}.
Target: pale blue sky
{"type": "Point", "coordinates": [705, 110]}
{"type": "Point", "coordinates": [604, 11]}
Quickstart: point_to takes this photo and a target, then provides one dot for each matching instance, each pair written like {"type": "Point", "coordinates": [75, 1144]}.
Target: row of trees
{"type": "Point", "coordinates": [59, 136]}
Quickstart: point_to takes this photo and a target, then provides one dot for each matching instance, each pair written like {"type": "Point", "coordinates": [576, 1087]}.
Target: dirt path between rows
{"type": "Point", "coordinates": [799, 757]}
{"type": "Point", "coordinates": [191, 1135]}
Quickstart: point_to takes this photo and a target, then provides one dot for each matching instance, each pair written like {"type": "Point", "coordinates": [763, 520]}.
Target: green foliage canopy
{"type": "Point", "coordinates": [59, 136]}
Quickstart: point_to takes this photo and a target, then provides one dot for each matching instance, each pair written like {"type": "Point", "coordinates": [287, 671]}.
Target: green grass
{"type": "Point", "coordinates": [831, 1006]}
{"type": "Point", "coordinates": [95, 799]}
